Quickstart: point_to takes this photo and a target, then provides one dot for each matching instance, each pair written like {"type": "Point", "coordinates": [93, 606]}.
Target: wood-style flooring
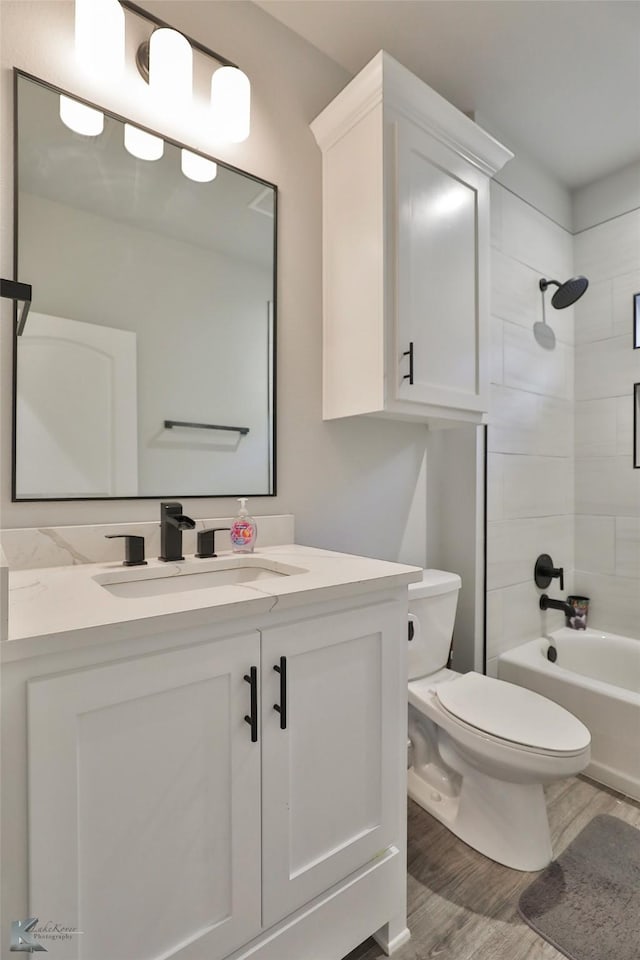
{"type": "Point", "coordinates": [463, 906]}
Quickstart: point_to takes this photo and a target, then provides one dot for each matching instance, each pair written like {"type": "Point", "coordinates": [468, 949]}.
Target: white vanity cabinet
{"type": "Point", "coordinates": [162, 823]}
{"type": "Point", "coordinates": [144, 804]}
{"type": "Point", "coordinates": [405, 251]}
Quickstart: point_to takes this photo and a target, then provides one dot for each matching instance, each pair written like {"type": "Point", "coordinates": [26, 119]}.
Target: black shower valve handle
{"type": "Point", "coordinates": [544, 572]}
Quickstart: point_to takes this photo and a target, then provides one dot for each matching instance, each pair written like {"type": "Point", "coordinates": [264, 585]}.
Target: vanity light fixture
{"type": "Point", "coordinates": [170, 69]}
{"type": "Point", "coordinates": [197, 168]}
{"type": "Point", "coordinates": [99, 37]}
{"type": "Point", "coordinates": [80, 118]}
{"type": "Point", "coordinates": [143, 145]}
{"type": "Point", "coordinates": [162, 61]}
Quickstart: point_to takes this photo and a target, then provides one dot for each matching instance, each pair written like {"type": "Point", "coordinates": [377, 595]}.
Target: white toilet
{"type": "Point", "coordinates": [481, 749]}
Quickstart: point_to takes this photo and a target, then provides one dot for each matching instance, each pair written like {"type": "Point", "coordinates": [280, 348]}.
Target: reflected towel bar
{"type": "Point", "coordinates": [203, 426]}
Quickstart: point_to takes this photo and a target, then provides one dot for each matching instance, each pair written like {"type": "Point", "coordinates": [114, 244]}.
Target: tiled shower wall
{"type": "Point", "coordinates": [531, 422]}
{"type": "Point", "coordinates": [607, 491]}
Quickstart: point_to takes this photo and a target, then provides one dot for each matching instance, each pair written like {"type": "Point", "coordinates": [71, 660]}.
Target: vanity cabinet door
{"type": "Point", "coordinates": [441, 298]}
{"type": "Point", "coordinates": [144, 805]}
{"type": "Point", "coordinates": [329, 763]}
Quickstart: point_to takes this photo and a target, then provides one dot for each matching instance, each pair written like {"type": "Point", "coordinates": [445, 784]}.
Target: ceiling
{"type": "Point", "coordinates": [558, 79]}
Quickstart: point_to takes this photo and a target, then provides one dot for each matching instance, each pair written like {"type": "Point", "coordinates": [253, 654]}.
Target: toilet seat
{"type": "Point", "coordinates": [504, 713]}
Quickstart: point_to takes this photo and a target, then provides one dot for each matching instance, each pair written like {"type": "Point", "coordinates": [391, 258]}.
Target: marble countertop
{"type": "Point", "coordinates": [51, 607]}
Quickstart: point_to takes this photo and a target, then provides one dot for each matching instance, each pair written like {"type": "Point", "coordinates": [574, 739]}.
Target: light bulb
{"type": "Point", "coordinates": [170, 68]}
{"type": "Point", "coordinates": [230, 104]}
{"type": "Point", "coordinates": [141, 144]}
{"type": "Point", "coordinates": [80, 118]}
{"type": "Point", "coordinates": [198, 168]}
{"type": "Point", "coordinates": [100, 37]}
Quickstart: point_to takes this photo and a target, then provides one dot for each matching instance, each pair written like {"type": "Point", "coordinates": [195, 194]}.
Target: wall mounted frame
{"type": "Point", "coordinates": [636, 321]}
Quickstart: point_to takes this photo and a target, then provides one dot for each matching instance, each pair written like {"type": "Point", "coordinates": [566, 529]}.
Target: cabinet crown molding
{"type": "Point", "coordinates": [385, 81]}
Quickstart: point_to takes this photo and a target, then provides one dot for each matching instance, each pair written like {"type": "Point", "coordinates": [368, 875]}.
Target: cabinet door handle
{"type": "Point", "coordinates": [409, 353]}
{"type": "Point", "coordinates": [252, 720]}
{"type": "Point", "coordinates": [282, 706]}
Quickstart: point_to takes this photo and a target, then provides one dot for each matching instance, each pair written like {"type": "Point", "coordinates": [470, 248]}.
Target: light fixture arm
{"type": "Point", "coordinates": [142, 54]}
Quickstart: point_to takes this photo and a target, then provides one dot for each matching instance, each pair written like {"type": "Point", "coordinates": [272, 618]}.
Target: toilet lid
{"type": "Point", "coordinates": [513, 713]}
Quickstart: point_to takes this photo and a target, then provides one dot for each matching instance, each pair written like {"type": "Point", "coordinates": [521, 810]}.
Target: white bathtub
{"type": "Point", "coordinates": [597, 678]}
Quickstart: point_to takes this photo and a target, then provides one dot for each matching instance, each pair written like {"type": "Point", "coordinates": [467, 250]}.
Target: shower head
{"type": "Point", "coordinates": [567, 292]}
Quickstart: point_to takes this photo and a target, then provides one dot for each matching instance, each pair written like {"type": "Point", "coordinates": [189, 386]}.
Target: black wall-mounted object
{"type": "Point", "coordinates": [636, 425]}
{"type": "Point", "coordinates": [548, 603]}
{"type": "Point", "coordinates": [544, 572]}
{"type": "Point", "coordinates": [207, 542]}
{"type": "Point", "coordinates": [169, 424]}
{"type": "Point", "coordinates": [19, 293]}
{"type": "Point", "coordinates": [133, 549]}
{"type": "Point", "coordinates": [567, 292]}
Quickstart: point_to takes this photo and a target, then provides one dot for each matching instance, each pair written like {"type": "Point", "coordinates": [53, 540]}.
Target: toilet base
{"type": "Point", "coordinates": [506, 822]}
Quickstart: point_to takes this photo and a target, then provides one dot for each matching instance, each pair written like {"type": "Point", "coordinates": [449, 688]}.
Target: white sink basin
{"type": "Point", "coordinates": [160, 581]}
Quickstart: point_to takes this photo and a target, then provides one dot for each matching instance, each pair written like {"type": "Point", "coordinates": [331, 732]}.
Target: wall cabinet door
{"type": "Point", "coordinates": [405, 250]}
{"type": "Point", "coordinates": [144, 805]}
{"type": "Point", "coordinates": [329, 804]}
{"type": "Point", "coordinates": [442, 244]}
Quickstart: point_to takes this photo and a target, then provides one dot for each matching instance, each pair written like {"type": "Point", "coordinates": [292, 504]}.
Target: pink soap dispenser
{"type": "Point", "coordinates": [244, 530]}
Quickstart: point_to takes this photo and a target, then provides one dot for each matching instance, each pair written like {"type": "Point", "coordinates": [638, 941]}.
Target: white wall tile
{"type": "Point", "coordinates": [529, 366]}
{"type": "Point", "coordinates": [536, 487]}
{"type": "Point", "coordinates": [614, 602]}
{"type": "Point", "coordinates": [595, 544]}
{"type": "Point", "coordinates": [605, 368]}
{"type": "Point", "coordinates": [514, 545]}
{"type": "Point", "coordinates": [520, 618]}
{"type": "Point", "coordinates": [609, 250]}
{"type": "Point", "coordinates": [495, 486]}
{"type": "Point", "coordinates": [533, 239]}
{"type": "Point", "coordinates": [624, 288]}
{"type": "Point", "coordinates": [628, 548]}
{"type": "Point", "coordinates": [596, 428]}
{"type": "Point", "coordinates": [515, 291]}
{"type": "Point", "coordinates": [496, 358]}
{"type": "Point", "coordinates": [516, 296]}
{"type": "Point", "coordinates": [527, 423]}
{"type": "Point", "coordinates": [608, 486]}
{"type": "Point", "coordinates": [594, 313]}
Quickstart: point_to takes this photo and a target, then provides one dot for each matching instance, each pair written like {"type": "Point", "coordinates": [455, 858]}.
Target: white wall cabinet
{"type": "Point", "coordinates": [160, 828]}
{"type": "Point", "coordinates": [405, 251]}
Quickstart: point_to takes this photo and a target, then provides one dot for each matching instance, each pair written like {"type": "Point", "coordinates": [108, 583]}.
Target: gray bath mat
{"type": "Point", "coordinates": [587, 902]}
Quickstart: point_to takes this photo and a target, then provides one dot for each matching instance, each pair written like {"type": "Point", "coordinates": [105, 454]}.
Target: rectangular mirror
{"type": "Point", "coordinates": [146, 365]}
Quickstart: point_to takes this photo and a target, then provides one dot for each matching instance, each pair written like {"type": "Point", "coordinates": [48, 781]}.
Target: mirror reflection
{"type": "Point", "coordinates": [146, 365]}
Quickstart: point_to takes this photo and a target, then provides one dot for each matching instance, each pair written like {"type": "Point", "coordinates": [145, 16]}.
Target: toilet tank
{"type": "Point", "coordinates": [432, 611]}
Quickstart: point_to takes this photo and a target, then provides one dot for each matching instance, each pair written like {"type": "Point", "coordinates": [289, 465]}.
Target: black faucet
{"type": "Point", "coordinates": [547, 603]}
{"type": "Point", "coordinates": [172, 523]}
{"type": "Point", "coordinates": [207, 542]}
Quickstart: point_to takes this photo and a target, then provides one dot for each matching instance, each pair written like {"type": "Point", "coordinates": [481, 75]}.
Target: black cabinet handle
{"type": "Point", "coordinates": [282, 706]}
{"type": "Point", "coordinates": [252, 720]}
{"type": "Point", "coordinates": [409, 353]}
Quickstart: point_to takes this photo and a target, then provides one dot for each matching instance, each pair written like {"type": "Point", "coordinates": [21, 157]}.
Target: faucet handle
{"type": "Point", "coordinates": [207, 542]}
{"type": "Point", "coordinates": [544, 572]}
{"type": "Point", "coordinates": [133, 548]}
